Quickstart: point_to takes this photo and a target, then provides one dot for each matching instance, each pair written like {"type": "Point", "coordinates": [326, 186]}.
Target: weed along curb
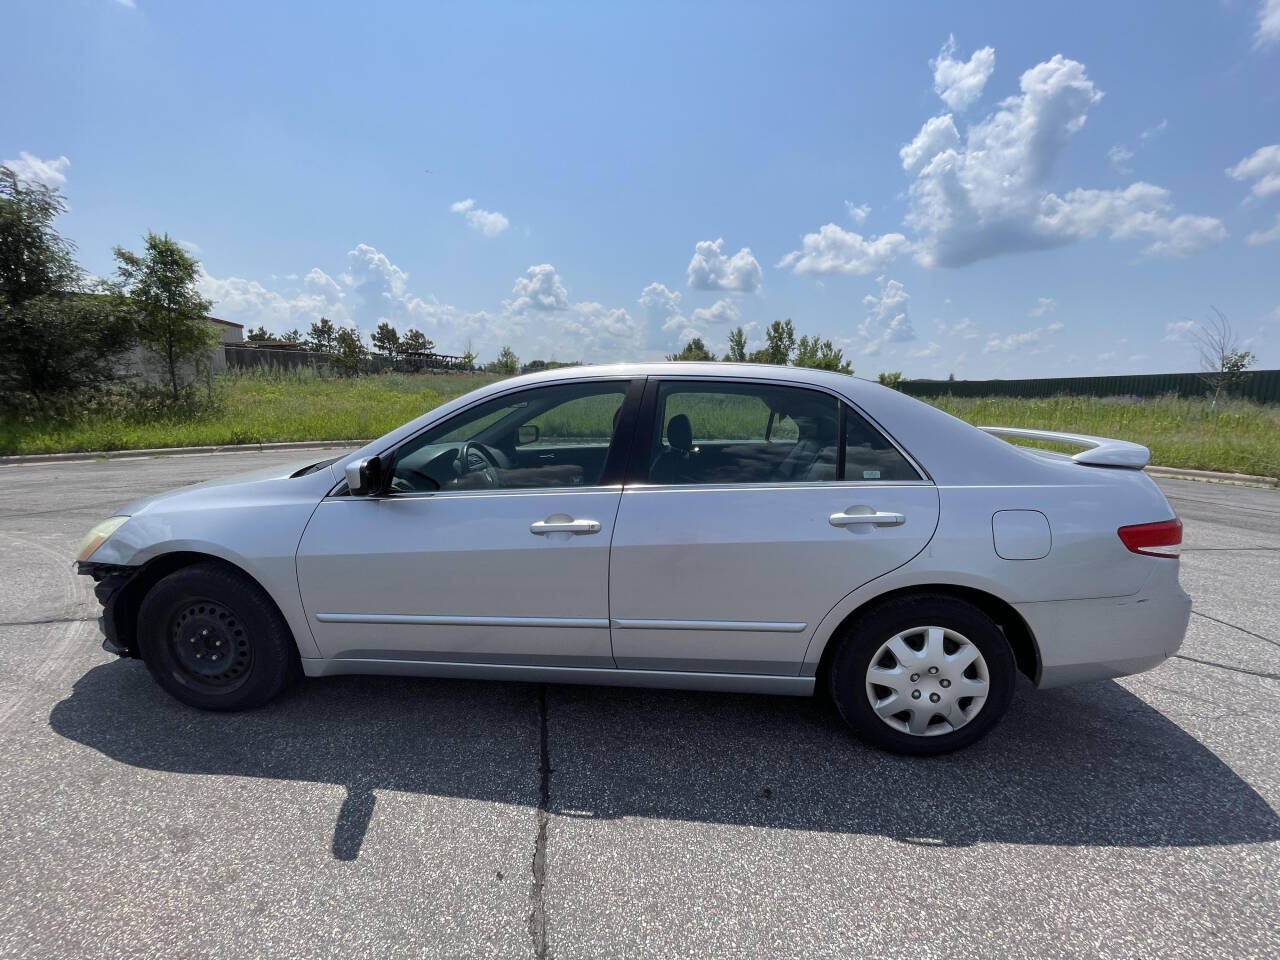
{"type": "Point", "coordinates": [1179, 473]}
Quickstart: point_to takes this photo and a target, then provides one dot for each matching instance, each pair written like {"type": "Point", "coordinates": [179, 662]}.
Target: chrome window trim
{"type": "Point", "coordinates": [470, 494]}
{"type": "Point", "coordinates": [776, 485]}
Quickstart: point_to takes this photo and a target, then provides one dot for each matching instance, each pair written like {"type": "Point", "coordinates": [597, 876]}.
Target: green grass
{"type": "Point", "coordinates": [260, 408]}
{"type": "Point", "coordinates": [255, 408]}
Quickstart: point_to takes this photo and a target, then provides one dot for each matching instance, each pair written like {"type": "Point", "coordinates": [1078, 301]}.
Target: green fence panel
{"type": "Point", "coordinates": [1261, 386]}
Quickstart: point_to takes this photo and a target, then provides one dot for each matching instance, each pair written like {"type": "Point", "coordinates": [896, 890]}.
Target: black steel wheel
{"type": "Point", "coordinates": [214, 639]}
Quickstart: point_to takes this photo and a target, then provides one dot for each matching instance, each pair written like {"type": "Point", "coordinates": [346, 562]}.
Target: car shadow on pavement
{"type": "Point", "coordinates": [1091, 765]}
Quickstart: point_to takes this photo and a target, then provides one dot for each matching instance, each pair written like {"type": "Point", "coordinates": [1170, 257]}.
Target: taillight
{"type": "Point", "coordinates": [1162, 539]}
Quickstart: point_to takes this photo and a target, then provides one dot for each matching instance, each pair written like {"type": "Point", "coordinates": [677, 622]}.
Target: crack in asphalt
{"type": "Point", "coordinates": [37, 623]}
{"type": "Point", "coordinates": [1225, 666]}
{"type": "Point", "coordinates": [1233, 626]}
{"type": "Point", "coordinates": [538, 912]}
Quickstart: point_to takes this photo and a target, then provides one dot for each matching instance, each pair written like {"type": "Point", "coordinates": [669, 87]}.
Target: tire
{"type": "Point", "coordinates": [213, 639]}
{"type": "Point", "coordinates": [946, 703]}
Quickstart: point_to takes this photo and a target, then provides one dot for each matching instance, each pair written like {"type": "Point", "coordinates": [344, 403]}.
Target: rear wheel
{"type": "Point", "coordinates": [923, 675]}
{"type": "Point", "coordinates": [213, 639]}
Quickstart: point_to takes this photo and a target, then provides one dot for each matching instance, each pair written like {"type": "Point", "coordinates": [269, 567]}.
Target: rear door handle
{"type": "Point", "coordinates": [870, 517]}
{"type": "Point", "coordinates": [556, 525]}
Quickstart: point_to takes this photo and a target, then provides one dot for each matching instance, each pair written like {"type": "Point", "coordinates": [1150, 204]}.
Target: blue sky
{"type": "Point", "coordinates": [997, 189]}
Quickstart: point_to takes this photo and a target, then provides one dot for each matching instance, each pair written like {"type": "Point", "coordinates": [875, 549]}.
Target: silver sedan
{"type": "Point", "coordinates": [701, 526]}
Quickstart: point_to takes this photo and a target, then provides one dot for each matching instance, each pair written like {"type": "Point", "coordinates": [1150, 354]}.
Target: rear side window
{"type": "Point", "coordinates": [868, 454]}
{"type": "Point", "coordinates": [716, 432]}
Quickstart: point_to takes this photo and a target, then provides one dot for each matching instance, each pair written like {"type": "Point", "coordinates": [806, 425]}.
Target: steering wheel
{"type": "Point", "coordinates": [475, 457]}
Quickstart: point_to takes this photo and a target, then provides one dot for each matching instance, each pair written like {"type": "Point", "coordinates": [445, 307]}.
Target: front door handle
{"type": "Point", "coordinates": [856, 516]}
{"type": "Point", "coordinates": [559, 523]}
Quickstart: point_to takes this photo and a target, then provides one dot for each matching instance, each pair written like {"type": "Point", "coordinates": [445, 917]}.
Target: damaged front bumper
{"type": "Point", "coordinates": [110, 581]}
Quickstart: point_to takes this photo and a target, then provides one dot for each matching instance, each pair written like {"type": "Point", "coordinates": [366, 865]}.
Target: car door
{"type": "Point", "coordinates": [750, 510]}
{"type": "Point", "coordinates": [477, 554]}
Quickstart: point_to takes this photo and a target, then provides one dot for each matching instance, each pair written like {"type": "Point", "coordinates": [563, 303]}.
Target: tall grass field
{"type": "Point", "coordinates": [259, 407]}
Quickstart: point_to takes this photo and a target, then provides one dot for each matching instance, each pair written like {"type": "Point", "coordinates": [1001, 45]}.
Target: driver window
{"type": "Point", "coordinates": [557, 436]}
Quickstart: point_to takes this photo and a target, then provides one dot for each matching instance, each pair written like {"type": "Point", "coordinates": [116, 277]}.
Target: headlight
{"type": "Point", "coordinates": [98, 536]}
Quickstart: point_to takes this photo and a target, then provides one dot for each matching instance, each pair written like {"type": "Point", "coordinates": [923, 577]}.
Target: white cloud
{"type": "Point", "coordinates": [959, 83]}
{"type": "Point", "coordinates": [989, 196]}
{"type": "Point", "coordinates": [1179, 331]}
{"type": "Point", "coordinates": [541, 321]}
{"type": "Point", "coordinates": [887, 319]}
{"type": "Point", "coordinates": [490, 223]}
{"type": "Point", "coordinates": [128, 3]}
{"type": "Point", "coordinates": [710, 269]}
{"type": "Point", "coordinates": [658, 296]}
{"type": "Point", "coordinates": [858, 212]}
{"type": "Point", "coordinates": [836, 250]}
{"type": "Point", "coordinates": [539, 289]}
{"type": "Point", "coordinates": [189, 246]}
{"type": "Point", "coordinates": [722, 311]}
{"type": "Point", "coordinates": [1043, 305]}
{"type": "Point", "coordinates": [1263, 168]}
{"type": "Point", "coordinates": [1120, 155]}
{"type": "Point", "coordinates": [931, 349]}
{"type": "Point", "coordinates": [1269, 235]}
{"type": "Point", "coordinates": [1020, 341]}
{"type": "Point", "coordinates": [665, 323]}
{"type": "Point", "coordinates": [1268, 31]}
{"type": "Point", "coordinates": [250, 303]}
{"type": "Point", "coordinates": [938, 135]}
{"type": "Point", "coordinates": [1154, 130]}
{"type": "Point", "coordinates": [1140, 211]}
{"type": "Point", "coordinates": [962, 328]}
{"type": "Point", "coordinates": [52, 173]}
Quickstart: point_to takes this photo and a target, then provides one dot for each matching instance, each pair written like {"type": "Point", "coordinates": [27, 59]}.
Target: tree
{"type": "Point", "coordinates": [507, 363]}
{"type": "Point", "coordinates": [385, 339]}
{"type": "Point", "coordinates": [1221, 358]}
{"type": "Point", "coordinates": [890, 379]}
{"type": "Point", "coordinates": [321, 336]}
{"type": "Point", "coordinates": [348, 349]}
{"type": "Point", "coordinates": [695, 349]}
{"type": "Point", "coordinates": [737, 346]}
{"type": "Point", "coordinates": [158, 289]}
{"type": "Point", "coordinates": [468, 359]}
{"type": "Point", "coordinates": [822, 355]}
{"type": "Point", "coordinates": [258, 335]}
{"type": "Point", "coordinates": [56, 337]}
{"type": "Point", "coordinates": [779, 344]}
{"type": "Point", "coordinates": [415, 341]}
{"type": "Point", "coordinates": [951, 377]}
{"type": "Point", "coordinates": [293, 336]}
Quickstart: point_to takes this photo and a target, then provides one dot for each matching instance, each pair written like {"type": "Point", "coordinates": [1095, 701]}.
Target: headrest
{"type": "Point", "coordinates": [680, 433]}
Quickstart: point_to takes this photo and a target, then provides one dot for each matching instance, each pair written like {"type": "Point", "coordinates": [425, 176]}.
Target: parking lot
{"type": "Point", "coordinates": [397, 817]}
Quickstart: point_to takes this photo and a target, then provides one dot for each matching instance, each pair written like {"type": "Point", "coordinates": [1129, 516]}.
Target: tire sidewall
{"type": "Point", "coordinates": [268, 636]}
{"type": "Point", "coordinates": [866, 636]}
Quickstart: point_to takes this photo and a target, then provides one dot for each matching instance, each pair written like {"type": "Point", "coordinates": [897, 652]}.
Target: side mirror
{"type": "Point", "coordinates": [527, 433]}
{"type": "Point", "coordinates": [365, 477]}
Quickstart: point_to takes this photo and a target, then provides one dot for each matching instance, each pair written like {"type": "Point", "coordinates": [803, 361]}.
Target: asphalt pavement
{"type": "Point", "coordinates": [395, 817]}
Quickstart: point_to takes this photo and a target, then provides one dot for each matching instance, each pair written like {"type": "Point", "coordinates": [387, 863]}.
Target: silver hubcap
{"type": "Point", "coordinates": [927, 681]}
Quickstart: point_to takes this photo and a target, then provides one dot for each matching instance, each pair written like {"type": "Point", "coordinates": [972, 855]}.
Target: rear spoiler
{"type": "Point", "coordinates": [1098, 452]}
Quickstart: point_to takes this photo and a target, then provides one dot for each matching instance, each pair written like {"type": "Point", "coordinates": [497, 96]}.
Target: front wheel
{"type": "Point", "coordinates": [213, 639]}
{"type": "Point", "coordinates": [923, 675]}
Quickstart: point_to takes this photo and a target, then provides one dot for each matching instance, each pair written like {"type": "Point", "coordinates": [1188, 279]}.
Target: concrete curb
{"type": "Point", "coordinates": [181, 451]}
{"type": "Point", "coordinates": [1177, 473]}
{"type": "Point", "coordinates": [1213, 476]}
